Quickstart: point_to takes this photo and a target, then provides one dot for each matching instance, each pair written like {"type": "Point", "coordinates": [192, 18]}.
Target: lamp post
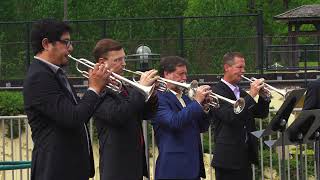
{"type": "Point", "coordinates": [143, 57]}
{"type": "Point", "coordinates": [65, 10]}
{"type": "Point", "coordinates": [143, 52]}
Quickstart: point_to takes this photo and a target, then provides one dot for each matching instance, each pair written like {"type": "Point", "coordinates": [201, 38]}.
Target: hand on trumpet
{"type": "Point", "coordinates": [99, 77]}
{"type": "Point", "coordinates": [256, 86]}
{"type": "Point", "coordinates": [264, 93]}
{"type": "Point", "coordinates": [148, 78]}
{"type": "Point", "coordinates": [207, 103]}
{"type": "Point", "coordinates": [202, 93]}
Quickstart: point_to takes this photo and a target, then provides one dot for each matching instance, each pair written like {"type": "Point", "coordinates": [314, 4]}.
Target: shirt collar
{"type": "Point", "coordinates": [53, 67]}
{"type": "Point", "coordinates": [232, 87]}
{"type": "Point", "coordinates": [176, 94]}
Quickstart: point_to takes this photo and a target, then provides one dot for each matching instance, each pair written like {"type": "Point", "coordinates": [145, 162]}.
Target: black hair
{"type": "Point", "coordinates": [170, 63]}
{"type": "Point", "coordinates": [47, 28]}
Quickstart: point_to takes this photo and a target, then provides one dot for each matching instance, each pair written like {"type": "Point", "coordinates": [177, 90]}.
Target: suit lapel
{"type": "Point", "coordinates": [71, 95]}
{"type": "Point", "coordinates": [174, 99]}
{"type": "Point", "coordinates": [227, 90]}
{"type": "Point", "coordinates": [242, 93]}
{"type": "Point", "coordinates": [186, 99]}
{"type": "Point", "coordinates": [76, 98]}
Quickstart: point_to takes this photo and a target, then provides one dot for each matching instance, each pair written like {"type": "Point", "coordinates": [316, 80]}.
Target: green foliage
{"type": "Point", "coordinates": [11, 103]}
{"type": "Point", "coordinates": [206, 146]}
{"type": "Point", "coordinates": [275, 158]}
{"type": "Point", "coordinates": [205, 40]}
{"type": "Point", "coordinates": [292, 161]}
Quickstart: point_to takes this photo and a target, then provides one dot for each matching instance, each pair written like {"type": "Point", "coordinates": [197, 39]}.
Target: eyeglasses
{"type": "Point", "coordinates": [66, 42]}
{"type": "Point", "coordinates": [116, 60]}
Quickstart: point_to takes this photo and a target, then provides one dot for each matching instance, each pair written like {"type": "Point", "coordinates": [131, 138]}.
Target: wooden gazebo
{"type": "Point", "coordinates": [296, 18]}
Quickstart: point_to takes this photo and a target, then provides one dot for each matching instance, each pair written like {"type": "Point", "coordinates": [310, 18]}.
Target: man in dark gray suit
{"type": "Point", "coordinates": [312, 101]}
{"type": "Point", "coordinates": [57, 117]}
{"type": "Point", "coordinates": [235, 148]}
{"type": "Point", "coordinates": [118, 119]}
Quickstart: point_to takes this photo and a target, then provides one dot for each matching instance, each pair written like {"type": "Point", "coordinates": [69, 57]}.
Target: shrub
{"type": "Point", "coordinates": [11, 103]}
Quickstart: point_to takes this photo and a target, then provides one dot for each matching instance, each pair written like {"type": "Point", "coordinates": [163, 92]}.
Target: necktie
{"type": "Point", "coordinates": [246, 134]}
{"type": "Point", "coordinates": [141, 140]}
{"type": "Point", "coordinates": [236, 92]}
{"type": "Point", "coordinates": [65, 82]}
{"type": "Point", "coordinates": [179, 97]}
{"type": "Point", "coordinates": [124, 92]}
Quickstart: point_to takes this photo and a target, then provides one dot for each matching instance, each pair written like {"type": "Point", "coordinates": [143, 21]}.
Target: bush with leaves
{"type": "Point", "coordinates": [11, 104]}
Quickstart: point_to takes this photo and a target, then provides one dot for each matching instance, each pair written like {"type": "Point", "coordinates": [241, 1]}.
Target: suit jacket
{"type": "Point", "coordinates": [118, 121]}
{"type": "Point", "coordinates": [62, 148]}
{"type": "Point", "coordinates": [235, 147]}
{"type": "Point", "coordinates": [177, 133]}
{"type": "Point", "coordinates": [312, 100]}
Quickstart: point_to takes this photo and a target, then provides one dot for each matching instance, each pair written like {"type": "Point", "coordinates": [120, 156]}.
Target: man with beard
{"type": "Point", "coordinates": [57, 117]}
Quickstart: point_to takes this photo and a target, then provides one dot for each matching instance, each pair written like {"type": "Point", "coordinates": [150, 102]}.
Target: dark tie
{"type": "Point", "coordinates": [65, 82]}
{"type": "Point", "coordinates": [124, 92]}
{"type": "Point", "coordinates": [140, 136]}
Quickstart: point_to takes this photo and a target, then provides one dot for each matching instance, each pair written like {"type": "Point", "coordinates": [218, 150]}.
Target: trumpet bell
{"type": "Point", "coordinates": [191, 91]}
{"type": "Point", "coordinates": [147, 91]}
{"type": "Point", "coordinates": [239, 105]}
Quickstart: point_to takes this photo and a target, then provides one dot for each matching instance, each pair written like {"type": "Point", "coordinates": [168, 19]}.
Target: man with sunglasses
{"type": "Point", "coordinates": [57, 117]}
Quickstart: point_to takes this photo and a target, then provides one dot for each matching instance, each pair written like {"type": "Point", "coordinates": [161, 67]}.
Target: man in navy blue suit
{"type": "Point", "coordinates": [178, 124]}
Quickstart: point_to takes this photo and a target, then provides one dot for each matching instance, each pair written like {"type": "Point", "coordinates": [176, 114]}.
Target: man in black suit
{"type": "Point", "coordinates": [57, 117]}
{"type": "Point", "coordinates": [312, 101]}
{"type": "Point", "coordinates": [235, 148]}
{"type": "Point", "coordinates": [118, 119]}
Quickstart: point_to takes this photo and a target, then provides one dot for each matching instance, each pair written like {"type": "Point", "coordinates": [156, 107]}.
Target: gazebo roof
{"type": "Point", "coordinates": [302, 13]}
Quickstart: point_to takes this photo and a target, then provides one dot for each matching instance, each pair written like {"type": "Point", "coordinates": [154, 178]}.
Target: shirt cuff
{"type": "Point", "coordinates": [91, 89]}
{"type": "Point", "coordinates": [206, 109]}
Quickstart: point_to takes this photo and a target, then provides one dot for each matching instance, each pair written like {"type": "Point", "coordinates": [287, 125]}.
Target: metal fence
{"type": "Point", "coordinates": [292, 57]}
{"type": "Point", "coordinates": [202, 40]}
{"type": "Point", "coordinates": [17, 146]}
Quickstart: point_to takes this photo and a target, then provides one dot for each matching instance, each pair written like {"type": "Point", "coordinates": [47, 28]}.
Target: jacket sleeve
{"type": "Point", "coordinates": [225, 112]}
{"type": "Point", "coordinates": [43, 94]}
{"type": "Point", "coordinates": [150, 108]}
{"type": "Point", "coordinates": [261, 109]}
{"type": "Point", "coordinates": [204, 122]}
{"type": "Point", "coordinates": [116, 110]}
{"type": "Point", "coordinates": [175, 120]}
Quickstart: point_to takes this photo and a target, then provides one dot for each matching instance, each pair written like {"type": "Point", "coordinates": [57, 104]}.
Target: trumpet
{"type": "Point", "coordinates": [162, 81]}
{"type": "Point", "coordinates": [268, 88]}
{"type": "Point", "coordinates": [191, 88]}
{"type": "Point", "coordinates": [238, 105]}
{"type": "Point", "coordinates": [145, 90]}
